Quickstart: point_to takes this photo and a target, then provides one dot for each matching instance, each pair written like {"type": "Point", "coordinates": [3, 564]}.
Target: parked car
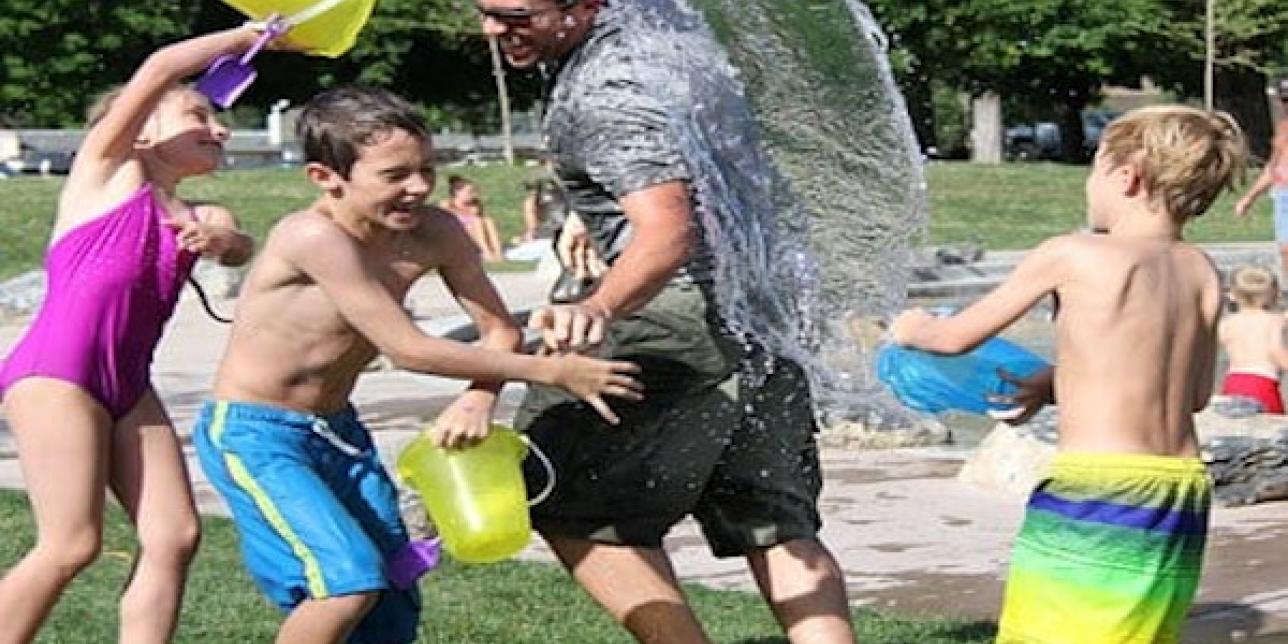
{"type": "Point", "coordinates": [1039, 141]}
{"type": "Point", "coordinates": [32, 160]}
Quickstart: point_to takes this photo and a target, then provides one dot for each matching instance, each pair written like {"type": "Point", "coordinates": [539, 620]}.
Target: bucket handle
{"type": "Point", "coordinates": [312, 11]}
{"type": "Point", "coordinates": [550, 471]}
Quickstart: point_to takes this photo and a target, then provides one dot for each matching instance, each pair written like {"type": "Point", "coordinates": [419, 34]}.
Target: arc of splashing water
{"type": "Point", "coordinates": [806, 169]}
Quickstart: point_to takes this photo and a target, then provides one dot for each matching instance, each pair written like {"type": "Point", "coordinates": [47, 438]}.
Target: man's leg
{"type": "Point", "coordinates": [805, 587]}
{"type": "Point", "coordinates": [637, 586]}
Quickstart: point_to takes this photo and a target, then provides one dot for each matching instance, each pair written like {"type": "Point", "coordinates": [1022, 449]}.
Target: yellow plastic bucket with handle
{"type": "Point", "coordinates": [476, 495]}
{"type": "Point", "coordinates": [319, 27]}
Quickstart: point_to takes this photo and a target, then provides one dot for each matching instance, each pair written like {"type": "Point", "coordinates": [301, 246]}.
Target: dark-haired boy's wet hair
{"type": "Point", "coordinates": [336, 123]}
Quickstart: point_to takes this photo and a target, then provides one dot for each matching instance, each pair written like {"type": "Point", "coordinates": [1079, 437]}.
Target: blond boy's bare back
{"type": "Point", "coordinates": [1253, 340]}
{"type": "Point", "coordinates": [1136, 338]}
{"type": "Point", "coordinates": [293, 345]}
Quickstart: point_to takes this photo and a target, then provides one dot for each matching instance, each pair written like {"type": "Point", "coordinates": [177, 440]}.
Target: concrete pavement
{"type": "Point", "coordinates": [910, 537]}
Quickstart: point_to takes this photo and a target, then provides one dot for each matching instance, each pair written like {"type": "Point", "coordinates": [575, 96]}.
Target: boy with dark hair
{"type": "Point", "coordinates": [317, 513]}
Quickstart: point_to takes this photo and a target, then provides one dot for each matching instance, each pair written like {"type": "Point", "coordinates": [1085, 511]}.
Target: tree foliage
{"type": "Point", "coordinates": [1057, 54]}
{"type": "Point", "coordinates": [55, 55]}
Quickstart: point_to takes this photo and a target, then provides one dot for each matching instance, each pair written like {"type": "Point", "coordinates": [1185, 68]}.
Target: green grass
{"type": "Point", "coordinates": [1002, 207]}
{"type": "Point", "coordinates": [1015, 206]}
{"type": "Point", "coordinates": [513, 603]}
{"type": "Point", "coordinates": [258, 198]}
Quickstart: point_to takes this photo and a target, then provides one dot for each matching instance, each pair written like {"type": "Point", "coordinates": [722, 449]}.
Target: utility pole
{"type": "Point", "coordinates": [1209, 63]}
{"type": "Point", "coordinates": [503, 97]}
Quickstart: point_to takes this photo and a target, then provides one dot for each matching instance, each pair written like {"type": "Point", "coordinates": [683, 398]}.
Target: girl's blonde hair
{"type": "Point", "coordinates": [1254, 287]}
{"type": "Point", "coordinates": [1186, 156]}
{"type": "Point", "coordinates": [99, 108]}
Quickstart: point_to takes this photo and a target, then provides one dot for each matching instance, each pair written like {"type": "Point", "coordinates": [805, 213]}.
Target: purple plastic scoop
{"type": "Point", "coordinates": [228, 75]}
{"type": "Point", "coordinates": [413, 561]}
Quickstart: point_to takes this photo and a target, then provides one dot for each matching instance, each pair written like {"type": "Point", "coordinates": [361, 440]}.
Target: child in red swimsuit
{"type": "Point", "coordinates": [1253, 339]}
{"type": "Point", "coordinates": [76, 388]}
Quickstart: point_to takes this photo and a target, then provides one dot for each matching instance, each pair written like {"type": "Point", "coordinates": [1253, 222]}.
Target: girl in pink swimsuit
{"type": "Point", "coordinates": [465, 203]}
{"type": "Point", "coordinates": [76, 388]}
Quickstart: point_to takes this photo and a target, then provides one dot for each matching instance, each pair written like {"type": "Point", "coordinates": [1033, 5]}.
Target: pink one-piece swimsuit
{"type": "Point", "coordinates": [112, 283]}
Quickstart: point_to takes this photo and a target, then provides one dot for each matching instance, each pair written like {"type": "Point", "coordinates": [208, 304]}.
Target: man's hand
{"type": "Point", "coordinates": [465, 422]}
{"type": "Point", "coordinates": [576, 327]}
{"type": "Point", "coordinates": [1035, 392]}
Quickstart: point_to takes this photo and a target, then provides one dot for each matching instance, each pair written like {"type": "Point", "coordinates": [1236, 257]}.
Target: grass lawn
{"type": "Point", "coordinates": [509, 603]}
{"type": "Point", "coordinates": [1001, 207]}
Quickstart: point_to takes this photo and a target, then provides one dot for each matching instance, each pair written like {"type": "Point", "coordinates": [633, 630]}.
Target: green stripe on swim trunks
{"type": "Point", "coordinates": [217, 423]}
{"type": "Point", "coordinates": [312, 571]}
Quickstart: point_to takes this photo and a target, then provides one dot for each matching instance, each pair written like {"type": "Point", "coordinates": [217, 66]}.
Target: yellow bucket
{"type": "Point", "coordinates": [320, 27]}
{"type": "Point", "coordinates": [475, 496]}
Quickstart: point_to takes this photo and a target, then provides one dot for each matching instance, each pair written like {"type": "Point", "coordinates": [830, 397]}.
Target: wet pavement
{"type": "Point", "coordinates": [910, 537]}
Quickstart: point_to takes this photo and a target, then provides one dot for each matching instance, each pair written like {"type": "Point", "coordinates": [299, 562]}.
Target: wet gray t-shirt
{"type": "Point", "coordinates": [609, 136]}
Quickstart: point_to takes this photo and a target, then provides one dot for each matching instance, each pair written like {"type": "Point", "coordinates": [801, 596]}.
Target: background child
{"type": "Point", "coordinates": [77, 389]}
{"type": "Point", "coordinates": [464, 201]}
{"type": "Point", "coordinates": [1253, 339]}
{"type": "Point", "coordinates": [1113, 538]}
{"type": "Point", "coordinates": [317, 513]}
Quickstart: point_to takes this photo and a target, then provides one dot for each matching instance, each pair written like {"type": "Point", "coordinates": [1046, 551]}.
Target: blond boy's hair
{"type": "Point", "coordinates": [1185, 156]}
{"type": "Point", "coordinates": [1254, 287]}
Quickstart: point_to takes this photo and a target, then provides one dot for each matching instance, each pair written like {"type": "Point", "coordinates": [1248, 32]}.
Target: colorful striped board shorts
{"type": "Point", "coordinates": [1110, 551]}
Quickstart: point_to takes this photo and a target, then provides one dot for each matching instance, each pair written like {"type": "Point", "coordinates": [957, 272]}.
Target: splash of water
{"type": "Point", "coordinates": [806, 171]}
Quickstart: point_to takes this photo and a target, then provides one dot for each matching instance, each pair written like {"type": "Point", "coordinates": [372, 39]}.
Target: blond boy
{"type": "Point", "coordinates": [1113, 537]}
{"type": "Point", "coordinates": [1252, 337]}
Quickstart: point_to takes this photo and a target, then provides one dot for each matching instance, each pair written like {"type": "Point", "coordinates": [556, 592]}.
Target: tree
{"type": "Point", "coordinates": [1252, 37]}
{"type": "Point", "coordinates": [58, 54]}
{"type": "Point", "coordinates": [1056, 53]}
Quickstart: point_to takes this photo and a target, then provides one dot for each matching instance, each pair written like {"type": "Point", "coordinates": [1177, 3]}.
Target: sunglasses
{"type": "Point", "coordinates": [515, 17]}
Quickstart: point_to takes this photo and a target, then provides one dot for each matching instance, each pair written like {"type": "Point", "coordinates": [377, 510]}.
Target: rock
{"type": "Point", "coordinates": [22, 295]}
{"type": "Point", "coordinates": [1010, 460]}
{"type": "Point", "coordinates": [958, 255]}
{"type": "Point", "coordinates": [922, 432]}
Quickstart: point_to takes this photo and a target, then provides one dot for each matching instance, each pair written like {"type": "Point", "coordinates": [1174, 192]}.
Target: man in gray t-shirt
{"type": "Point", "coordinates": [735, 452]}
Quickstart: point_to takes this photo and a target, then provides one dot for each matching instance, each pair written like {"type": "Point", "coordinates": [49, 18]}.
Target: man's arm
{"type": "Point", "coordinates": [662, 237]}
{"type": "Point", "coordinates": [1037, 275]}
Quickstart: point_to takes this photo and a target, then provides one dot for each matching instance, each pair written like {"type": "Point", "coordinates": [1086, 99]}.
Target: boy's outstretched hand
{"type": "Point", "coordinates": [590, 379]}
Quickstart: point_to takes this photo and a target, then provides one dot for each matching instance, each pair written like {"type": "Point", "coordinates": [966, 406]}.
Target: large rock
{"type": "Point", "coordinates": [1010, 460]}
{"type": "Point", "coordinates": [1246, 453]}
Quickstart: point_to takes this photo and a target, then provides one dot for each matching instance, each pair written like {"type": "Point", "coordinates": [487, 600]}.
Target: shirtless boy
{"type": "Point", "coordinates": [1113, 537]}
{"type": "Point", "coordinates": [317, 513]}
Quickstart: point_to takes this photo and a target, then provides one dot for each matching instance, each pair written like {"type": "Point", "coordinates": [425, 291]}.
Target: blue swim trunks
{"type": "Point", "coordinates": [316, 511]}
{"type": "Point", "coordinates": [1280, 198]}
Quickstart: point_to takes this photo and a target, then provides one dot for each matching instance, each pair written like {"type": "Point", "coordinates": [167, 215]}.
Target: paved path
{"type": "Point", "coordinates": [910, 537]}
